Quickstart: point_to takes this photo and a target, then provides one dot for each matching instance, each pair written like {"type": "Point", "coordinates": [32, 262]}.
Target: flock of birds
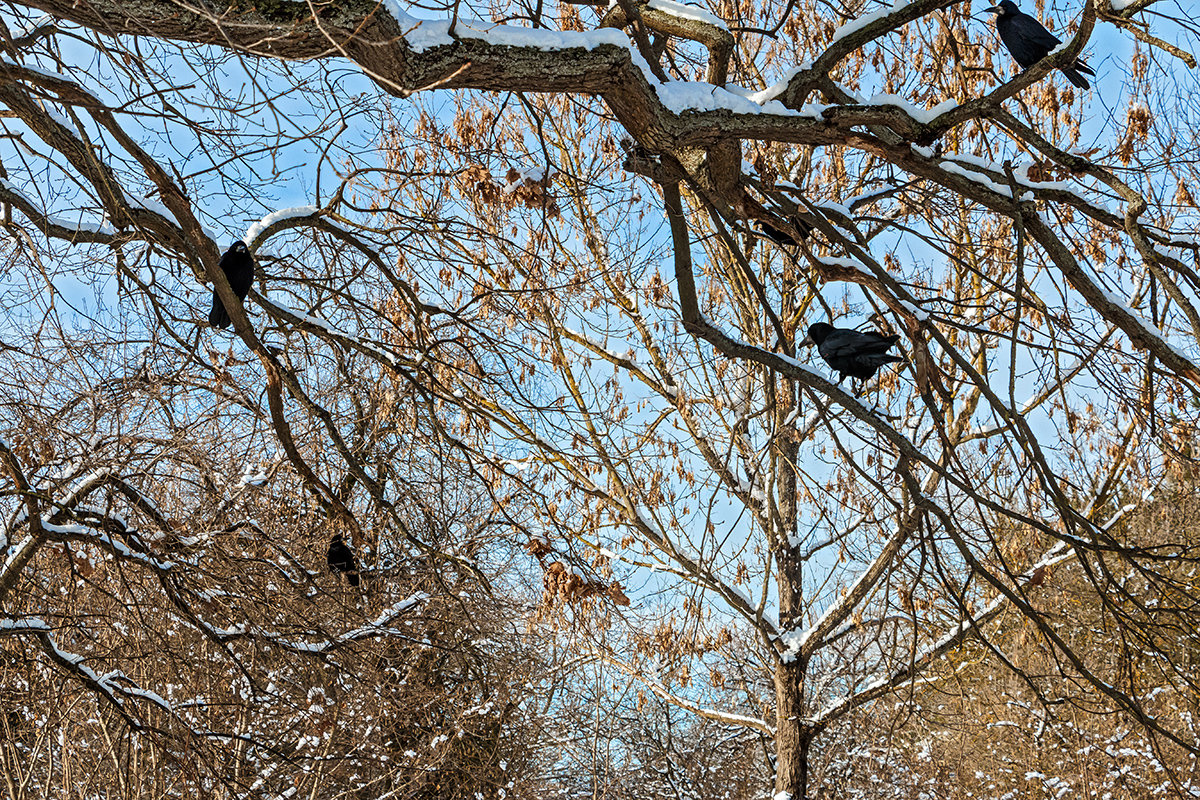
{"type": "Point", "coordinates": [853, 353]}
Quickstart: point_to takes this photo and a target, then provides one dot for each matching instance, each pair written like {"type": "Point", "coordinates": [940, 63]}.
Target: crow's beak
{"type": "Point", "coordinates": [992, 10]}
{"type": "Point", "coordinates": [806, 341]}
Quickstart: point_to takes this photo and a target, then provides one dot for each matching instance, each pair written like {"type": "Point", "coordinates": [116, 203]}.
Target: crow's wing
{"type": "Point", "coordinates": [1033, 31]}
{"type": "Point", "coordinates": [844, 343]}
{"type": "Point", "coordinates": [239, 271]}
{"type": "Point", "coordinates": [1026, 38]}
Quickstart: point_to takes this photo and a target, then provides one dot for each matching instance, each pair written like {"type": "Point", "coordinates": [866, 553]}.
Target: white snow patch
{"type": "Point", "coordinates": [848, 263]}
{"type": "Point", "coordinates": [254, 474]}
{"type": "Point", "coordinates": [425, 34]}
{"type": "Point", "coordinates": [922, 115]}
{"type": "Point", "coordinates": [688, 12]}
{"type": "Point", "coordinates": [10, 186]}
{"type": "Point", "coordinates": [983, 180]}
{"type": "Point", "coordinates": [858, 23]}
{"type": "Point", "coordinates": [256, 230]}
{"type": "Point", "coordinates": [916, 311]}
{"type": "Point", "coordinates": [866, 19]}
{"type": "Point", "coordinates": [681, 96]}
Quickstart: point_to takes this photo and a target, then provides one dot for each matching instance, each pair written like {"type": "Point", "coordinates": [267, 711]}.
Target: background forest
{"type": "Point", "coordinates": [527, 333]}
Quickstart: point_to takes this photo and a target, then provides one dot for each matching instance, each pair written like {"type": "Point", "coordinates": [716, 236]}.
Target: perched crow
{"type": "Point", "coordinates": [851, 352]}
{"type": "Point", "coordinates": [238, 266]}
{"type": "Point", "coordinates": [1029, 42]}
{"type": "Point", "coordinates": [341, 559]}
{"type": "Point", "coordinates": [783, 237]}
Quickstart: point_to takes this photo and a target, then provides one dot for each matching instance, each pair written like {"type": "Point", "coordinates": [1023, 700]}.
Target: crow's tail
{"type": "Point", "coordinates": [218, 317]}
{"type": "Point", "coordinates": [1075, 78]}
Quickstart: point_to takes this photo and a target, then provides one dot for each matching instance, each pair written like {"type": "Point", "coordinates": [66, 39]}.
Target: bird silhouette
{"type": "Point", "coordinates": [238, 266]}
{"type": "Point", "coordinates": [782, 237]}
{"type": "Point", "coordinates": [341, 559]}
{"type": "Point", "coordinates": [1029, 42]}
{"type": "Point", "coordinates": [851, 352]}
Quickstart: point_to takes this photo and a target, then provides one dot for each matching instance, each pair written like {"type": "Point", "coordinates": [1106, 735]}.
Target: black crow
{"type": "Point", "coordinates": [238, 266]}
{"type": "Point", "coordinates": [782, 237]}
{"type": "Point", "coordinates": [341, 559]}
{"type": "Point", "coordinates": [852, 352]}
{"type": "Point", "coordinates": [1029, 42]}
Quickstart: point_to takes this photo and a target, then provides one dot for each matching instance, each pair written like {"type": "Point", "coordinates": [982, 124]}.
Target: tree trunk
{"type": "Point", "coordinates": [791, 734]}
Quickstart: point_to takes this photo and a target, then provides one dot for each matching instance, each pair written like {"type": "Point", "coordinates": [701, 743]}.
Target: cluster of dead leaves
{"type": "Point", "coordinates": [31, 449]}
{"type": "Point", "coordinates": [565, 585]}
{"type": "Point", "coordinates": [519, 189]}
{"type": "Point", "coordinates": [1138, 121]}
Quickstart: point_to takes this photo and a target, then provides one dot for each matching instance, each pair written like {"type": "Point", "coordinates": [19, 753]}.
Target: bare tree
{"type": "Point", "coordinates": [475, 278]}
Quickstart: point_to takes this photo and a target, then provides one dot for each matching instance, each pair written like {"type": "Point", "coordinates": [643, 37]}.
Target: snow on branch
{"type": "Point", "coordinates": [114, 686]}
{"type": "Point", "coordinates": [93, 535]}
{"type": "Point", "coordinates": [55, 226]}
{"type": "Point", "coordinates": [802, 644]}
{"type": "Point", "coordinates": [912, 671]}
{"type": "Point", "coordinates": [373, 350]}
{"type": "Point", "coordinates": [688, 12]}
{"type": "Point", "coordinates": [723, 717]}
{"type": "Point", "coordinates": [380, 626]}
{"type": "Point", "coordinates": [276, 221]}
